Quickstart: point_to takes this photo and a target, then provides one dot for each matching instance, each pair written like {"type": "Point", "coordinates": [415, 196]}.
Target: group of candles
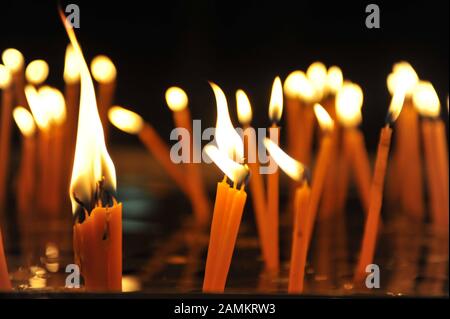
{"type": "Point", "coordinates": [53, 140]}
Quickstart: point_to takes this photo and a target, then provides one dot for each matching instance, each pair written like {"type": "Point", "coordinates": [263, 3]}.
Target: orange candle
{"type": "Point", "coordinates": [376, 192]}
{"type": "Point", "coordinates": [5, 130]}
{"type": "Point", "coordinates": [14, 61]}
{"type": "Point", "coordinates": [177, 101]}
{"type": "Point", "coordinates": [104, 72]}
{"type": "Point", "coordinates": [97, 214]}
{"type": "Point", "coordinates": [436, 153]}
{"type": "Point", "coordinates": [275, 111]}
{"type": "Point", "coordinates": [244, 111]}
{"type": "Point", "coordinates": [228, 209]}
{"type": "Point", "coordinates": [133, 123]}
{"type": "Point", "coordinates": [5, 283]}
{"type": "Point", "coordinates": [320, 169]}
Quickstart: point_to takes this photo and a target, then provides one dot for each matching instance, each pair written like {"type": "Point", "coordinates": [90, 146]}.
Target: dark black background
{"type": "Point", "coordinates": [237, 44]}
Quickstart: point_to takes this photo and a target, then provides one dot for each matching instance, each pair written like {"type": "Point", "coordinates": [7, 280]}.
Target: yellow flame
{"type": "Point", "coordinates": [5, 76]}
{"type": "Point", "coordinates": [297, 85]}
{"type": "Point", "coordinates": [234, 171]}
{"type": "Point", "coordinates": [55, 103]}
{"type": "Point", "coordinates": [396, 105]}
{"type": "Point", "coordinates": [294, 169]}
{"type": "Point", "coordinates": [176, 98]}
{"type": "Point", "coordinates": [228, 140]}
{"type": "Point", "coordinates": [92, 162]}
{"type": "Point", "coordinates": [349, 101]}
{"type": "Point", "coordinates": [317, 74]}
{"type": "Point", "coordinates": [426, 99]}
{"type": "Point", "coordinates": [71, 66]}
{"type": "Point", "coordinates": [276, 101]}
{"type": "Point", "coordinates": [103, 69]}
{"type": "Point", "coordinates": [403, 79]}
{"type": "Point", "coordinates": [125, 120]}
{"type": "Point", "coordinates": [335, 79]}
{"type": "Point", "coordinates": [36, 72]}
{"type": "Point", "coordinates": [325, 121]}
{"type": "Point", "coordinates": [40, 110]}
{"type": "Point", "coordinates": [24, 121]}
{"type": "Point", "coordinates": [244, 109]}
{"type": "Point", "coordinates": [13, 59]}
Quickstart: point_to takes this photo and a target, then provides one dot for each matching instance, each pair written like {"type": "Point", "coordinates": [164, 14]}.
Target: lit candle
{"type": "Point", "coordinates": [97, 213]}
{"type": "Point", "coordinates": [349, 100]}
{"type": "Point", "coordinates": [132, 123]}
{"type": "Point", "coordinates": [5, 283]}
{"type": "Point", "coordinates": [5, 131]}
{"type": "Point", "coordinates": [36, 72]}
{"type": "Point", "coordinates": [104, 72]}
{"type": "Point", "coordinates": [25, 184]}
{"type": "Point", "coordinates": [296, 171]}
{"type": "Point", "coordinates": [177, 101]}
{"type": "Point", "coordinates": [244, 111]}
{"type": "Point", "coordinates": [376, 191]}
{"type": "Point", "coordinates": [320, 171]}
{"type": "Point", "coordinates": [14, 61]}
{"type": "Point", "coordinates": [275, 112]}
{"type": "Point", "coordinates": [436, 152]}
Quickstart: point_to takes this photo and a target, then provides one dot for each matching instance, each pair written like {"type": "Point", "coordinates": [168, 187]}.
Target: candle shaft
{"type": "Point", "coordinates": [5, 283]}
{"type": "Point", "coordinates": [5, 141]}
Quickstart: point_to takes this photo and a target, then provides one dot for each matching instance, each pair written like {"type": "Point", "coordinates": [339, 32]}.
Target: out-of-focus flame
{"type": "Point", "coordinates": [24, 121]}
{"type": "Point", "coordinates": [125, 120]}
{"type": "Point", "coordinates": [36, 72]}
{"type": "Point", "coordinates": [103, 69]}
{"type": "Point", "coordinates": [71, 66]}
{"type": "Point", "coordinates": [176, 98]}
{"type": "Point", "coordinates": [276, 101]}
{"type": "Point", "coordinates": [294, 169]}
{"type": "Point", "coordinates": [5, 76]}
{"type": "Point", "coordinates": [244, 109]}
{"type": "Point", "coordinates": [396, 106]}
{"type": "Point", "coordinates": [349, 101]}
{"type": "Point", "coordinates": [13, 59]}
{"type": "Point", "coordinates": [297, 85]}
{"type": "Point", "coordinates": [335, 79]}
{"type": "Point", "coordinates": [40, 110]}
{"type": "Point", "coordinates": [325, 121]}
{"type": "Point", "coordinates": [403, 79]}
{"type": "Point", "coordinates": [92, 163]}
{"type": "Point", "coordinates": [228, 140]}
{"type": "Point", "coordinates": [317, 74]}
{"type": "Point", "coordinates": [234, 171]}
{"type": "Point", "coordinates": [55, 103]}
{"type": "Point", "coordinates": [426, 100]}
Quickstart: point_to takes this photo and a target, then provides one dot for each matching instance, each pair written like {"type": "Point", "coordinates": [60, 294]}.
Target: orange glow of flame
{"type": "Point", "coordinates": [176, 98]}
{"type": "Point", "coordinates": [36, 72]}
{"type": "Point", "coordinates": [426, 99]}
{"type": "Point", "coordinates": [5, 76]}
{"type": "Point", "coordinates": [71, 66]}
{"type": "Point", "coordinates": [349, 101]}
{"type": "Point", "coordinates": [54, 102]}
{"type": "Point", "coordinates": [297, 85]}
{"type": "Point", "coordinates": [325, 121]}
{"type": "Point", "coordinates": [125, 120]}
{"type": "Point", "coordinates": [293, 168]}
{"type": "Point", "coordinates": [396, 105]}
{"type": "Point", "coordinates": [234, 171]}
{"type": "Point", "coordinates": [92, 162]}
{"type": "Point", "coordinates": [40, 110]}
{"type": "Point", "coordinates": [276, 101]}
{"type": "Point", "coordinates": [228, 140]}
{"type": "Point", "coordinates": [244, 109]}
{"type": "Point", "coordinates": [24, 121]}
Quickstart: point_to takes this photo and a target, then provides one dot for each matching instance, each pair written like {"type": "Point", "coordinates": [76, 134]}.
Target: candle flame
{"type": "Point", "coordinates": [13, 59]}
{"type": "Point", "coordinates": [103, 69]}
{"type": "Point", "coordinates": [71, 66]}
{"type": "Point", "coordinates": [349, 101]}
{"type": "Point", "coordinates": [40, 110]}
{"type": "Point", "coordinates": [228, 140]}
{"type": "Point", "coordinates": [403, 78]}
{"type": "Point", "coordinates": [293, 168]}
{"type": "Point", "coordinates": [426, 100]}
{"type": "Point", "coordinates": [335, 79]}
{"type": "Point", "coordinates": [5, 76]}
{"type": "Point", "coordinates": [244, 109]}
{"type": "Point", "coordinates": [125, 120]}
{"type": "Point", "coordinates": [297, 85]}
{"type": "Point", "coordinates": [54, 102]}
{"type": "Point", "coordinates": [325, 121]}
{"type": "Point", "coordinates": [176, 99]}
{"type": "Point", "coordinates": [396, 106]}
{"type": "Point", "coordinates": [24, 121]}
{"type": "Point", "coordinates": [276, 101]}
{"type": "Point", "coordinates": [36, 72]}
{"type": "Point", "coordinates": [234, 171]}
{"type": "Point", "coordinates": [317, 74]}
{"type": "Point", "coordinates": [92, 164]}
